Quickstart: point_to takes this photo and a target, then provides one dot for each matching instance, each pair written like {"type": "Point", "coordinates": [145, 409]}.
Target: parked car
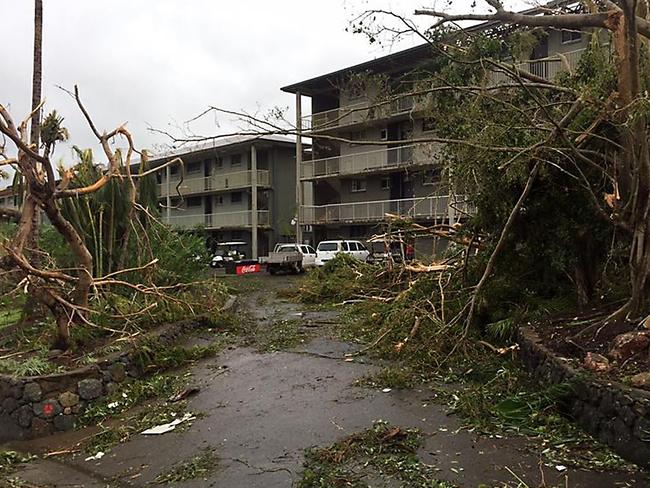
{"type": "Point", "coordinates": [290, 257]}
{"type": "Point", "coordinates": [326, 250]}
{"type": "Point", "coordinates": [227, 251]}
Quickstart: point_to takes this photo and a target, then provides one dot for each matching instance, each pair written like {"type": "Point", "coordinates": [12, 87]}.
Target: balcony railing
{"type": "Point", "coordinates": [432, 207]}
{"type": "Point", "coordinates": [547, 68]}
{"type": "Point", "coordinates": [357, 113]}
{"type": "Point", "coordinates": [369, 161]}
{"type": "Point", "coordinates": [218, 182]}
{"type": "Point", "coordinates": [223, 220]}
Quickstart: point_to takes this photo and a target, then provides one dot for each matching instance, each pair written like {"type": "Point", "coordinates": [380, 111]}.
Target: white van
{"type": "Point", "coordinates": [326, 250]}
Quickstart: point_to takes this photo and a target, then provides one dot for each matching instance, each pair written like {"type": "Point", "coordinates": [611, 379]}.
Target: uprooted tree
{"type": "Point", "coordinates": [65, 291]}
{"type": "Point", "coordinates": [581, 137]}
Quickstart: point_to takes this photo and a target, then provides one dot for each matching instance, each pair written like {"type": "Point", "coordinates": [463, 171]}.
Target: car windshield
{"type": "Point", "coordinates": [328, 246]}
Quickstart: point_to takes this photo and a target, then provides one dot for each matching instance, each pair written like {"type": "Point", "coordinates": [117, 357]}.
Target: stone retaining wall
{"type": "Point", "coordinates": [616, 414]}
{"type": "Point", "coordinates": [40, 405]}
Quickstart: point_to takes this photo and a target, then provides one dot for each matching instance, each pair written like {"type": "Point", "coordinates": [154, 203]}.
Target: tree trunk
{"type": "Point", "coordinates": [30, 309]}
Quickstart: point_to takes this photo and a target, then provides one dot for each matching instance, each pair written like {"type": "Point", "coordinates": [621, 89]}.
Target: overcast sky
{"type": "Point", "coordinates": [161, 62]}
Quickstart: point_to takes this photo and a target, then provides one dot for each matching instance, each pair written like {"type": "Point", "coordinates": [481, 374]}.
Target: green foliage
{"type": "Point", "coordinates": [342, 278]}
{"type": "Point", "coordinates": [385, 451]}
{"type": "Point", "coordinates": [197, 467]}
{"type": "Point", "coordinates": [10, 460]}
{"type": "Point", "coordinates": [31, 366]}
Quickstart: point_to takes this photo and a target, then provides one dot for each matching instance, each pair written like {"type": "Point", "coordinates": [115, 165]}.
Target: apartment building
{"type": "Point", "coordinates": [238, 189]}
{"type": "Point", "coordinates": [355, 185]}
{"type": "Point", "coordinates": [9, 199]}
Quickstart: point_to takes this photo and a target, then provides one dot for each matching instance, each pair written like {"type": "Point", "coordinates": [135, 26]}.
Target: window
{"type": "Point", "coordinates": [428, 124]}
{"type": "Point", "coordinates": [174, 169]}
{"type": "Point", "coordinates": [345, 246]}
{"type": "Point", "coordinates": [356, 136]}
{"type": "Point", "coordinates": [571, 36]}
{"type": "Point", "coordinates": [358, 185]}
{"type": "Point", "coordinates": [218, 200]}
{"type": "Point", "coordinates": [383, 134]}
{"type": "Point", "coordinates": [235, 160]}
{"type": "Point", "coordinates": [328, 246]}
{"type": "Point", "coordinates": [431, 176]}
{"type": "Point", "coordinates": [354, 246]}
{"type": "Point", "coordinates": [236, 235]}
{"type": "Point", "coordinates": [385, 183]}
{"type": "Point", "coordinates": [218, 164]}
{"type": "Point", "coordinates": [194, 167]}
{"type": "Point", "coordinates": [235, 197]}
{"type": "Point", "coordinates": [194, 202]}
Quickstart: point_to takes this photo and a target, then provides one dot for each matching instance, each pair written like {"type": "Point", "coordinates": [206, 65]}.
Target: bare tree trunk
{"type": "Point", "coordinates": [30, 309]}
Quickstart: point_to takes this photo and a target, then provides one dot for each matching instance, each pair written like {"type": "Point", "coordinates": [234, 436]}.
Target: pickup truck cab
{"type": "Point", "coordinates": [326, 250]}
{"type": "Point", "coordinates": [293, 258]}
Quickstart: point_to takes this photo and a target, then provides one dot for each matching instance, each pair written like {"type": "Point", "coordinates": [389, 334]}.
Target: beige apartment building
{"type": "Point", "coordinates": [239, 188]}
{"type": "Point", "coordinates": [355, 185]}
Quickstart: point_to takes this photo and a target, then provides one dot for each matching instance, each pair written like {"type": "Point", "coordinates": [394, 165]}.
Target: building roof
{"type": "Point", "coordinates": [223, 143]}
{"type": "Point", "coordinates": [400, 60]}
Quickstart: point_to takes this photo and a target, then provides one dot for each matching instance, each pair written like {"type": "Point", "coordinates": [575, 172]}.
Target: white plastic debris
{"type": "Point", "coordinates": [560, 467]}
{"type": "Point", "coordinates": [96, 457]}
{"type": "Point", "coordinates": [164, 428]}
{"type": "Point", "coordinates": [112, 405]}
{"type": "Point", "coordinates": [386, 390]}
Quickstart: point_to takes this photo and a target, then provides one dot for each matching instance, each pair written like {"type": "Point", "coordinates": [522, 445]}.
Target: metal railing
{"type": "Point", "coordinates": [547, 68]}
{"type": "Point", "coordinates": [217, 182]}
{"type": "Point", "coordinates": [432, 207]}
{"type": "Point", "coordinates": [222, 220]}
{"type": "Point", "coordinates": [357, 113]}
{"type": "Point", "coordinates": [368, 161]}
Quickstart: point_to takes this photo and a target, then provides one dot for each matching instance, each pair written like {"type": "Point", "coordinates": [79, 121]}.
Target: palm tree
{"type": "Point", "coordinates": [37, 73]}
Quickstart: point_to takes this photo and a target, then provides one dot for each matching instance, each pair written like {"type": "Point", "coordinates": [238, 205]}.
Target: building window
{"type": "Point", "coordinates": [358, 185]}
{"type": "Point", "coordinates": [194, 202]}
{"type": "Point", "coordinates": [235, 160]}
{"type": "Point", "coordinates": [175, 202]}
{"type": "Point", "coordinates": [385, 183]}
{"type": "Point", "coordinates": [383, 134]}
{"type": "Point", "coordinates": [428, 124]}
{"type": "Point", "coordinates": [570, 36]}
{"type": "Point", "coordinates": [235, 197]}
{"type": "Point", "coordinates": [218, 163]}
{"type": "Point", "coordinates": [431, 176]}
{"type": "Point", "coordinates": [194, 167]}
{"type": "Point", "coordinates": [236, 235]}
{"type": "Point", "coordinates": [218, 200]}
{"type": "Point", "coordinates": [356, 136]}
{"type": "Point", "coordinates": [174, 169]}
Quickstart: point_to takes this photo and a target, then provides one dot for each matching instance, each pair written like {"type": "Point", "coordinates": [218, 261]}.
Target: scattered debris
{"type": "Point", "coordinates": [164, 428]}
{"type": "Point", "coordinates": [596, 362]}
{"type": "Point", "coordinates": [186, 393]}
{"type": "Point", "coordinates": [386, 390]}
{"type": "Point", "coordinates": [561, 468]}
{"type": "Point", "coordinates": [641, 380]}
{"type": "Point", "coordinates": [627, 345]}
{"type": "Point", "coordinates": [96, 457]}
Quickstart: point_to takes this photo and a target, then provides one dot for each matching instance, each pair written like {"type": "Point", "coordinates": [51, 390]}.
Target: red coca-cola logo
{"type": "Point", "coordinates": [248, 268]}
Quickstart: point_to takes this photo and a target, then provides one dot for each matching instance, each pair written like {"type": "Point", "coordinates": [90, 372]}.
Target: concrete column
{"type": "Point", "coordinates": [168, 190]}
{"type": "Point", "coordinates": [254, 202]}
{"type": "Point", "coordinates": [298, 165]}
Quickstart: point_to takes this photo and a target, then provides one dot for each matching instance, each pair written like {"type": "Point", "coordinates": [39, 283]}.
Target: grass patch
{"type": "Point", "coordinates": [382, 452]}
{"type": "Point", "coordinates": [9, 317]}
{"type": "Point", "coordinates": [199, 466]}
{"type": "Point", "coordinates": [32, 366]}
{"type": "Point", "coordinates": [396, 377]}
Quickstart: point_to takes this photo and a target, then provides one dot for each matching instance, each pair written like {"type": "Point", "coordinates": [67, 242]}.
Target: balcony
{"type": "Point", "coordinates": [547, 68]}
{"type": "Point", "coordinates": [225, 220]}
{"type": "Point", "coordinates": [369, 161]}
{"type": "Point", "coordinates": [217, 182]}
{"type": "Point", "coordinates": [357, 113]}
{"type": "Point", "coordinates": [424, 208]}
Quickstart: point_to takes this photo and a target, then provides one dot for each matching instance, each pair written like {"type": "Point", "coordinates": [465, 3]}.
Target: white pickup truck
{"type": "Point", "coordinates": [291, 258]}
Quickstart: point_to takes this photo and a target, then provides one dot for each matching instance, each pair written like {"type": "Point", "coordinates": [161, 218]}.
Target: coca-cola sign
{"type": "Point", "coordinates": [248, 269]}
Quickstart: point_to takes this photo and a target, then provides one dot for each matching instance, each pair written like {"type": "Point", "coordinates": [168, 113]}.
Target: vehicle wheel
{"type": "Point", "coordinates": [301, 270]}
{"type": "Point", "coordinates": [272, 271]}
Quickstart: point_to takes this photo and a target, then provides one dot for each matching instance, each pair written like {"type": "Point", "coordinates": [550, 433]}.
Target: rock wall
{"type": "Point", "coordinates": [616, 414]}
{"type": "Point", "coordinates": [40, 405]}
